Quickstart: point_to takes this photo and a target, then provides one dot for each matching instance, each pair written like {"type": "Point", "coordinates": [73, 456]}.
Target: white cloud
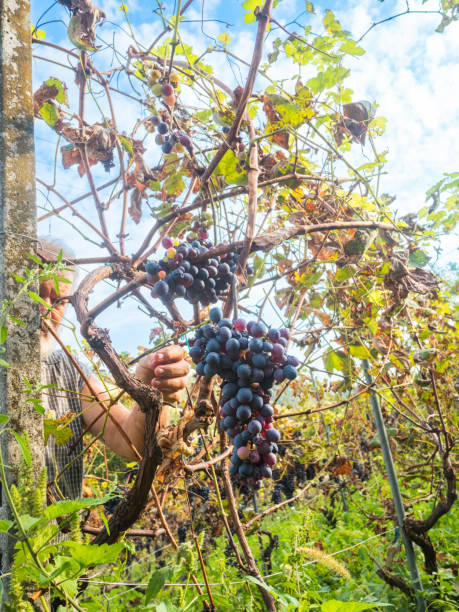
{"type": "Point", "coordinates": [409, 73]}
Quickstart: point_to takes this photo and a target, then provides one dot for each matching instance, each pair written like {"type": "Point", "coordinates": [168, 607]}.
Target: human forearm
{"type": "Point", "coordinates": [124, 430]}
{"type": "Point", "coordinates": [133, 426]}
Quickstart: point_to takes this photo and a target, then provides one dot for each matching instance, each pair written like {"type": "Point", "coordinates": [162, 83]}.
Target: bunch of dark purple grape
{"type": "Point", "coordinates": [249, 358]}
{"type": "Point", "coordinates": [178, 274]}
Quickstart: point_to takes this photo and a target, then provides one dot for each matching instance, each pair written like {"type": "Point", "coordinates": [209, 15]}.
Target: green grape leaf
{"type": "Point", "coordinates": [359, 351]}
{"type": "Point", "coordinates": [157, 581]}
{"type": "Point", "coordinates": [347, 606]}
{"type": "Point", "coordinates": [174, 184]}
{"type": "Point", "coordinates": [24, 446]}
{"type": "Point", "coordinates": [61, 88]}
{"type": "Point", "coordinates": [228, 168]}
{"type": "Point", "coordinates": [90, 555]}
{"type": "Point", "coordinates": [127, 145]}
{"type": "Point", "coordinates": [5, 525]}
{"type": "Point", "coordinates": [418, 258]}
{"type": "Point", "coordinates": [76, 32]}
{"type": "Point", "coordinates": [49, 113]}
{"type": "Point", "coordinates": [334, 361]}
{"type": "Point", "coordinates": [66, 506]}
{"type": "Point", "coordinates": [61, 431]}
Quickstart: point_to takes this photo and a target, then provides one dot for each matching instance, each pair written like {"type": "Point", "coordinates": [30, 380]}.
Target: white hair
{"type": "Point", "coordinates": [50, 247]}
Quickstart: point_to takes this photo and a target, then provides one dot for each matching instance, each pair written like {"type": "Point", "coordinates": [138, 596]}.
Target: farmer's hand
{"type": "Point", "coordinates": [166, 370]}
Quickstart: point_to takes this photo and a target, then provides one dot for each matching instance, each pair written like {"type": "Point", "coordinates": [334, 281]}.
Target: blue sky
{"type": "Point", "coordinates": [408, 69]}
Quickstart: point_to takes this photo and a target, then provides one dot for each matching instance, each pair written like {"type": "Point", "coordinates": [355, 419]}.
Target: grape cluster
{"type": "Point", "coordinates": [179, 275]}
{"type": "Point", "coordinates": [249, 358]}
{"type": "Point", "coordinates": [176, 140]}
{"type": "Point", "coordinates": [199, 492]}
{"type": "Point", "coordinates": [182, 532]}
{"type": "Point", "coordinates": [111, 504]}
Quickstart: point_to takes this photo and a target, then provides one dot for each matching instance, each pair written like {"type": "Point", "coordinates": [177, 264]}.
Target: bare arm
{"type": "Point", "coordinates": [167, 371]}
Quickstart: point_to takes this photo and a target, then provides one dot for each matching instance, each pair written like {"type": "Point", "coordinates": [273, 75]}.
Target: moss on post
{"type": "Point", "coordinates": [17, 238]}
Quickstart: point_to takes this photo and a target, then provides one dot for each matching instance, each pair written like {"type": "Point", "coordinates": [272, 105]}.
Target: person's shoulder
{"type": "Point", "coordinates": [53, 357]}
{"type": "Point", "coordinates": [62, 362]}
{"type": "Point", "coordinates": [59, 357]}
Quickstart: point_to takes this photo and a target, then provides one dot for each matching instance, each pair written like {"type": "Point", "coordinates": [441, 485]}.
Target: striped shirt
{"type": "Point", "coordinates": [65, 469]}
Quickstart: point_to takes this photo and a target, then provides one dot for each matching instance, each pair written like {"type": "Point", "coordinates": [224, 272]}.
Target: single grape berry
{"type": "Point", "coordinates": [259, 360]}
{"type": "Point", "coordinates": [228, 422]}
{"type": "Point", "coordinates": [290, 372]}
{"type": "Point", "coordinates": [200, 368]}
{"type": "Point", "coordinates": [246, 469]}
{"type": "Point", "coordinates": [284, 333]}
{"type": "Point", "coordinates": [213, 346]}
{"type": "Point", "coordinates": [167, 89]}
{"type": "Point", "coordinates": [195, 354]}
{"type": "Point", "coordinates": [232, 347]}
{"type": "Point", "coordinates": [187, 280]}
{"type": "Point", "coordinates": [229, 390]}
{"type": "Point", "coordinates": [162, 288]}
{"type": "Point", "coordinates": [209, 331]}
{"type": "Point", "coordinates": [213, 359]}
{"type": "Point", "coordinates": [224, 269]}
{"type": "Point", "coordinates": [257, 375]}
{"type": "Point", "coordinates": [269, 459]}
{"type": "Point", "coordinates": [279, 375]}
{"type": "Point", "coordinates": [240, 325]}
{"type": "Point", "coordinates": [152, 268]}
{"type": "Point", "coordinates": [257, 402]}
{"type": "Point", "coordinates": [267, 411]}
{"type": "Point", "coordinates": [228, 410]}
{"type": "Point", "coordinates": [243, 413]}
{"type": "Point", "coordinates": [244, 371]}
{"type": "Point", "coordinates": [244, 395]}
{"type": "Point", "coordinates": [215, 314]}
{"type": "Point", "coordinates": [277, 352]}
{"type": "Point", "coordinates": [243, 453]}
{"type": "Point", "coordinates": [156, 89]}
{"type": "Point", "coordinates": [254, 427]}
{"type": "Point", "coordinates": [224, 334]}
{"type": "Point", "coordinates": [273, 335]}
{"type": "Point", "coordinates": [225, 323]}
{"type": "Point", "coordinates": [266, 471]}
{"type": "Point", "coordinates": [272, 435]}
{"type": "Point", "coordinates": [264, 447]}
{"type": "Point", "coordinates": [255, 345]}
{"type": "Point", "coordinates": [259, 330]}
{"type": "Point", "coordinates": [185, 140]}
{"type": "Point", "coordinates": [169, 100]}
{"type": "Point", "coordinates": [163, 128]}
{"type": "Point", "coordinates": [209, 370]}
{"type": "Point", "coordinates": [167, 147]}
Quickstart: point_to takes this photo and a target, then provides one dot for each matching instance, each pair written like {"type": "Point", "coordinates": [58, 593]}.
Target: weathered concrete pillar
{"type": "Point", "coordinates": [17, 238]}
